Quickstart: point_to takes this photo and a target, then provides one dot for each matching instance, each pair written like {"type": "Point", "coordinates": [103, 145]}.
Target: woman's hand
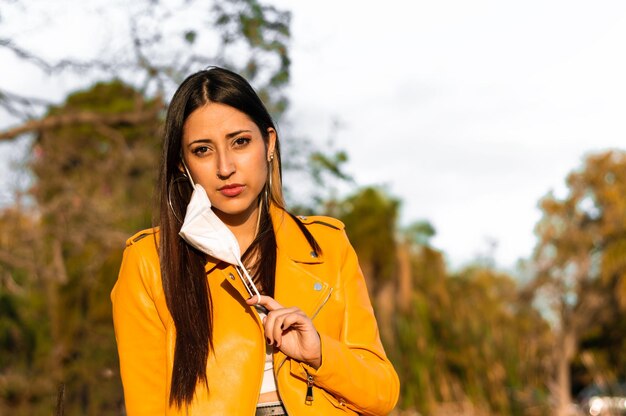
{"type": "Point", "coordinates": [291, 331]}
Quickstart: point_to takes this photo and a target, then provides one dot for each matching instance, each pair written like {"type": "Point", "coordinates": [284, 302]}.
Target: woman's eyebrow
{"type": "Point", "coordinates": [236, 133]}
{"type": "Point", "coordinates": [199, 141]}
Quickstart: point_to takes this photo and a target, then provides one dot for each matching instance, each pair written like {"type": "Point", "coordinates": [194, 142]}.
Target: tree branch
{"type": "Point", "coordinates": [63, 64]}
{"type": "Point", "coordinates": [86, 117]}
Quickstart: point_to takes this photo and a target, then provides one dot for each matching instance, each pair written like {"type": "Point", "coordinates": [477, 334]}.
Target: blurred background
{"type": "Point", "coordinates": [474, 150]}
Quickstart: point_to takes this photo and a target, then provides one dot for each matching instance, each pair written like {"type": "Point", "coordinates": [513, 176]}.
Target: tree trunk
{"type": "Point", "coordinates": [405, 278]}
{"type": "Point", "coordinates": [565, 353]}
{"type": "Point", "coordinates": [55, 276]}
{"type": "Point", "coordinates": [384, 304]}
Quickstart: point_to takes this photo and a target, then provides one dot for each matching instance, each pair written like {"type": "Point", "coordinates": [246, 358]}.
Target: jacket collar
{"type": "Point", "coordinates": [289, 239]}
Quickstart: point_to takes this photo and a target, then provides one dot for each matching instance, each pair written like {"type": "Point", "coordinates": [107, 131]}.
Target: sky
{"type": "Point", "coordinates": [467, 111]}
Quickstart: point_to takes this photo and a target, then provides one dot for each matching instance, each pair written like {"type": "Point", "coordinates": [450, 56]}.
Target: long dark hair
{"type": "Point", "coordinates": [182, 267]}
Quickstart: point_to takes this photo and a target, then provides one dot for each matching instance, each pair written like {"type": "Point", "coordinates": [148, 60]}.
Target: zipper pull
{"type": "Point", "coordinates": [309, 390]}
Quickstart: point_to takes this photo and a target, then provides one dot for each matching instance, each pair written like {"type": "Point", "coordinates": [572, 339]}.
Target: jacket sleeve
{"type": "Point", "coordinates": [355, 369]}
{"type": "Point", "coordinates": [140, 334]}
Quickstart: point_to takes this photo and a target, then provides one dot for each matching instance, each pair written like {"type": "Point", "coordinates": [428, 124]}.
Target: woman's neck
{"type": "Point", "coordinates": [244, 226]}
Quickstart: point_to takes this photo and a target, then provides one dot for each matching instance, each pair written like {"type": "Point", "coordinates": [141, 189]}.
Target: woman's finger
{"type": "Point", "coordinates": [267, 301]}
{"type": "Point", "coordinates": [273, 321]}
{"type": "Point", "coordinates": [299, 329]}
{"type": "Point", "coordinates": [293, 321]}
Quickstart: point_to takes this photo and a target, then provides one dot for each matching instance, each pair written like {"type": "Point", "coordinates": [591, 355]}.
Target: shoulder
{"type": "Point", "coordinates": [321, 222]}
{"type": "Point", "coordinates": [143, 246]}
{"type": "Point", "coordinates": [140, 269]}
{"type": "Point", "coordinates": [137, 238]}
{"type": "Point", "coordinates": [328, 232]}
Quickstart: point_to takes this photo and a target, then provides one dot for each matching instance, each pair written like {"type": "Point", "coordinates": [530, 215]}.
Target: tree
{"type": "Point", "coordinates": [422, 297]}
{"type": "Point", "coordinates": [370, 217]}
{"type": "Point", "coordinates": [466, 341]}
{"type": "Point", "coordinates": [461, 342]}
{"type": "Point", "coordinates": [92, 187]}
{"type": "Point", "coordinates": [580, 258]}
{"type": "Point", "coordinates": [494, 341]}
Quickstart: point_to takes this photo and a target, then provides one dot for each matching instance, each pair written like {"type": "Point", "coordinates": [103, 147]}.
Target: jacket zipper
{"type": "Point", "coordinates": [309, 389]}
{"type": "Point", "coordinates": [309, 378]}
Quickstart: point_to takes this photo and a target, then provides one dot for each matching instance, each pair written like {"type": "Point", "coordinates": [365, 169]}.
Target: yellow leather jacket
{"type": "Point", "coordinates": [355, 376]}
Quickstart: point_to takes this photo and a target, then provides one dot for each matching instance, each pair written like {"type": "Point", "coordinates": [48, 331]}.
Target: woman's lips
{"type": "Point", "coordinates": [231, 190]}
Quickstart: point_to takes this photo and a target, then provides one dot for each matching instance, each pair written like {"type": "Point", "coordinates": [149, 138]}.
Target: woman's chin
{"type": "Point", "coordinates": [235, 211]}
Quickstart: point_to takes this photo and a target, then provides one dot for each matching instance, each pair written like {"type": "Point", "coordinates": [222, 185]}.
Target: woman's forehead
{"type": "Point", "coordinates": [215, 121]}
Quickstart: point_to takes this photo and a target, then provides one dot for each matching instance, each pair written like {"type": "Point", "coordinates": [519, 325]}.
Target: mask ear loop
{"type": "Point", "coordinates": [249, 283]}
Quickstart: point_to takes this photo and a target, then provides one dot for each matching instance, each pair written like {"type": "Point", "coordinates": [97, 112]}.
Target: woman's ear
{"type": "Point", "coordinates": [271, 143]}
{"type": "Point", "coordinates": [181, 163]}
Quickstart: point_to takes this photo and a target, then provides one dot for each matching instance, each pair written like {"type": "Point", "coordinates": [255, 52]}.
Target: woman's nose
{"type": "Point", "coordinates": [225, 165]}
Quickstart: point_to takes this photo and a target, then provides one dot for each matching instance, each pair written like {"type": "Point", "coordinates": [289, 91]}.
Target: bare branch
{"type": "Point", "coordinates": [22, 99]}
{"type": "Point", "coordinates": [86, 117]}
{"type": "Point", "coordinates": [21, 106]}
{"type": "Point", "coordinates": [63, 64]}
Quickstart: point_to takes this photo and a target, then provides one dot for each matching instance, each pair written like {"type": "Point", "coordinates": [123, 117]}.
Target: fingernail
{"type": "Point", "coordinates": [268, 341]}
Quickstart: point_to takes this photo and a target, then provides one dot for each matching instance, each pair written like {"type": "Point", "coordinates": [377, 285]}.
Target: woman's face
{"type": "Point", "coordinates": [225, 153]}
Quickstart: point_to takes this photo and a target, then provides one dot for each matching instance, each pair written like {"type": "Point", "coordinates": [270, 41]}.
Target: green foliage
{"type": "Point", "coordinates": [419, 233]}
{"type": "Point", "coordinates": [190, 36]}
{"type": "Point", "coordinates": [328, 164]}
{"type": "Point", "coordinates": [370, 217]}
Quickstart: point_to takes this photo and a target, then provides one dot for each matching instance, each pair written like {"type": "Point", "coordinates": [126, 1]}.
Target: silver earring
{"type": "Point", "coordinates": [169, 194]}
{"type": "Point", "coordinates": [268, 186]}
{"type": "Point", "coordinates": [271, 165]}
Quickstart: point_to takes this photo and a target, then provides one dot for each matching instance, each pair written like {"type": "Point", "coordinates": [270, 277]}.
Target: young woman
{"type": "Point", "coordinates": [287, 328]}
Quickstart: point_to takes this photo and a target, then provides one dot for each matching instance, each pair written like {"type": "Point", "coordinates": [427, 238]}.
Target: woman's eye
{"type": "Point", "coordinates": [241, 141]}
{"type": "Point", "coordinates": [200, 150]}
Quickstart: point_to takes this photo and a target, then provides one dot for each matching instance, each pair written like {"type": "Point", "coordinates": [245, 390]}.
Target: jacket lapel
{"type": "Point", "coordinates": [296, 284]}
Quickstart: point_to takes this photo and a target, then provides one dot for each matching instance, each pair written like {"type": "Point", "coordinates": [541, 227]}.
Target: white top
{"type": "Point", "coordinates": [269, 381]}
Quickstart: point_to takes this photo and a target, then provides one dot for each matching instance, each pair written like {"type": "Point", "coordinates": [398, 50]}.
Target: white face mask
{"type": "Point", "coordinates": [205, 231]}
